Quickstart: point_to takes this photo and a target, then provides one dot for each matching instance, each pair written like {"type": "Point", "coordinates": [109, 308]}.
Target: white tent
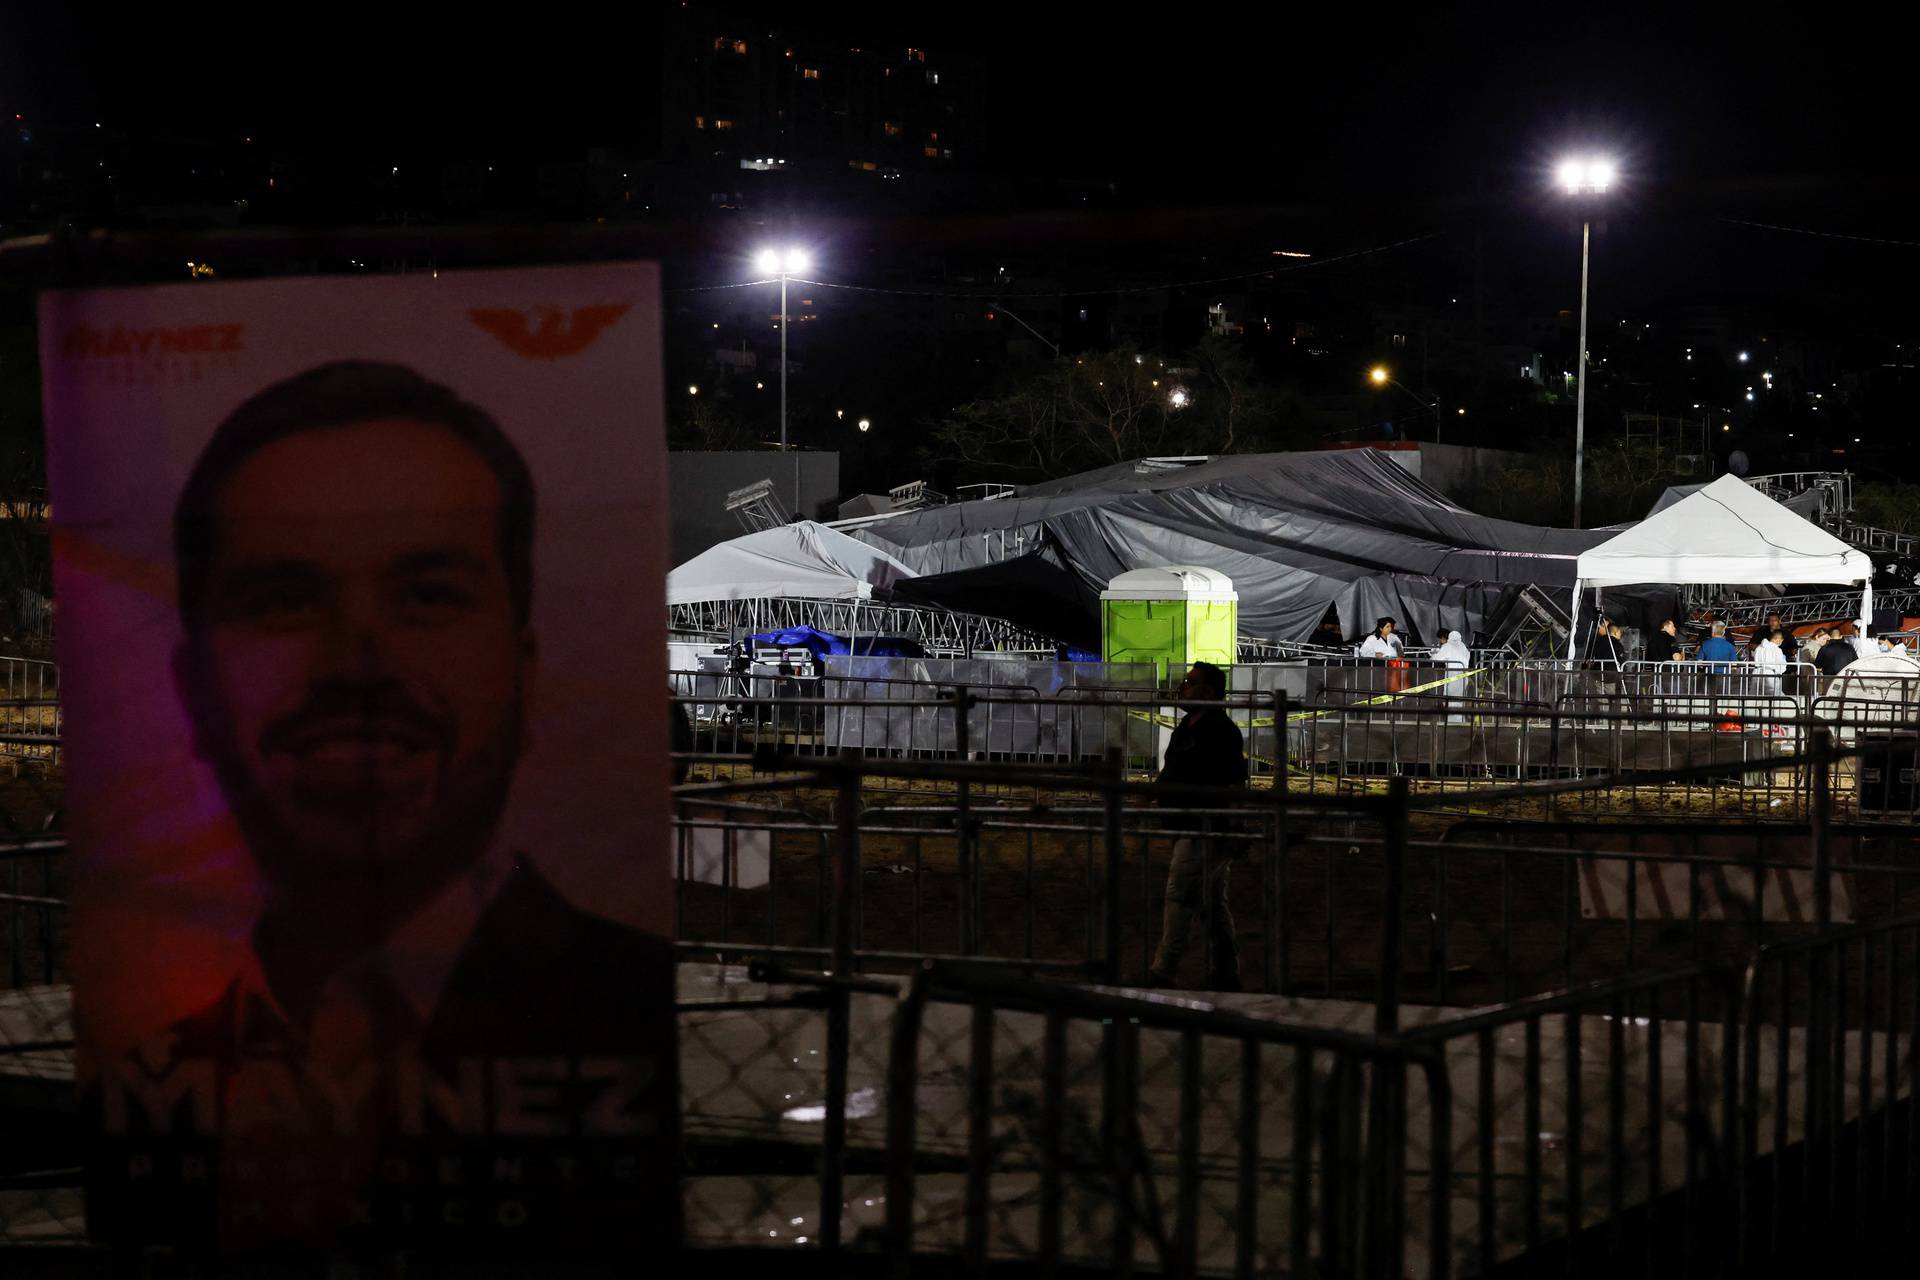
{"type": "Point", "coordinates": [805, 561]}
{"type": "Point", "coordinates": [1727, 533]}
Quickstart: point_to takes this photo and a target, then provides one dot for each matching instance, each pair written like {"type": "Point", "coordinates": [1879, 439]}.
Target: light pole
{"type": "Point", "coordinates": [1380, 378]}
{"type": "Point", "coordinates": [1589, 177]}
{"type": "Point", "coordinates": [785, 263]}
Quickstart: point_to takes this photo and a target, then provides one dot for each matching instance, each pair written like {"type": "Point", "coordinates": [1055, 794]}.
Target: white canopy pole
{"type": "Point", "coordinates": [1573, 620]}
{"type": "Point", "coordinates": [1866, 605]}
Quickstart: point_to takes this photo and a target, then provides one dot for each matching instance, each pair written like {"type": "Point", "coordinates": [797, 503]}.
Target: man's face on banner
{"type": "Point", "coordinates": [357, 676]}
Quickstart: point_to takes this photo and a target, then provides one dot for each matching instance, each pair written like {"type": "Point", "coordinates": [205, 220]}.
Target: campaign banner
{"type": "Point", "coordinates": [361, 591]}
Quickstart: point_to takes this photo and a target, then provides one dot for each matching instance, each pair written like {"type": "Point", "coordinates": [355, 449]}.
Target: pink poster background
{"type": "Point", "coordinates": [137, 379]}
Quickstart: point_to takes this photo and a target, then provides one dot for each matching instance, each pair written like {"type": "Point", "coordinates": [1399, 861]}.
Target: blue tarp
{"type": "Point", "coordinates": [822, 643]}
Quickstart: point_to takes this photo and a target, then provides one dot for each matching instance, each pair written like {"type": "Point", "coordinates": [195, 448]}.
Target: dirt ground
{"type": "Point", "coordinates": [1477, 926]}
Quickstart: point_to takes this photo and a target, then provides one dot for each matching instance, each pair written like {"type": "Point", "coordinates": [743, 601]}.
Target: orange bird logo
{"type": "Point", "coordinates": [548, 333]}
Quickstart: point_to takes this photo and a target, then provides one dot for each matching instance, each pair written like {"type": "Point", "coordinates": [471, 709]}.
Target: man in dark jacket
{"type": "Point", "coordinates": [1836, 655]}
{"type": "Point", "coordinates": [1206, 751]}
{"type": "Point", "coordinates": [1663, 645]}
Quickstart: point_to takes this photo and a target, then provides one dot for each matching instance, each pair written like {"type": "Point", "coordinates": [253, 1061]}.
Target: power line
{"type": "Point", "coordinates": [993, 295]}
{"type": "Point", "coordinates": [1824, 235]}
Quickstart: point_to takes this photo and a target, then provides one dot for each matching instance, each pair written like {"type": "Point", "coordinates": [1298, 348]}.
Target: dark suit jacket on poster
{"type": "Point", "coordinates": [540, 1110]}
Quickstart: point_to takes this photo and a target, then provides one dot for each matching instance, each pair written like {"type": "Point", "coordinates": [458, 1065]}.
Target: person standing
{"type": "Point", "coordinates": [1770, 666]}
{"type": "Point", "coordinates": [1789, 643]}
{"type": "Point", "coordinates": [1836, 655]}
{"type": "Point", "coordinates": [1206, 750]}
{"type": "Point", "coordinates": [1717, 648]}
{"type": "Point", "coordinates": [1664, 644]}
{"type": "Point", "coordinates": [1456, 657]}
{"type": "Point", "coordinates": [1382, 643]}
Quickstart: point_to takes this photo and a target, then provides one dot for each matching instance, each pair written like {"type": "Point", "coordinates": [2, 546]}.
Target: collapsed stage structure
{"type": "Point", "coordinates": [1304, 537]}
{"type": "Point", "coordinates": [1318, 545]}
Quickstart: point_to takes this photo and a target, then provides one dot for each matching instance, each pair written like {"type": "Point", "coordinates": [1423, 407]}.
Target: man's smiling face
{"type": "Point", "coordinates": [355, 670]}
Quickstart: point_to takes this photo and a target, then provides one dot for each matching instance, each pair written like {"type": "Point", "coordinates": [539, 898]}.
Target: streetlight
{"type": "Point", "coordinates": [1590, 177]}
{"type": "Point", "coordinates": [784, 263]}
{"type": "Point", "coordinates": [865, 424]}
{"type": "Point", "coordinates": [1382, 378]}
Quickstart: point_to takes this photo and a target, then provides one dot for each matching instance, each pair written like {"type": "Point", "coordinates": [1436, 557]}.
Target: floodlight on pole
{"type": "Point", "coordinates": [1589, 176]}
{"type": "Point", "coordinates": [784, 263]}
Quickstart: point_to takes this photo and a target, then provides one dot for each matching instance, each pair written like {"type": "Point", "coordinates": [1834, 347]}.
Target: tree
{"type": "Point", "coordinates": [1233, 409]}
{"type": "Point", "coordinates": [1086, 411]}
{"type": "Point", "coordinates": [707, 422]}
{"type": "Point", "coordinates": [1888, 505]}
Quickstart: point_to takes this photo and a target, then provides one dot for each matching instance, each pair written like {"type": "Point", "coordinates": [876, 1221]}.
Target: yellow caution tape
{"type": "Point", "coordinates": [1266, 722]}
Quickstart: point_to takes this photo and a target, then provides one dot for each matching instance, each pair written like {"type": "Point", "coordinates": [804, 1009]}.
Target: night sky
{"type": "Point", "coordinates": [1370, 123]}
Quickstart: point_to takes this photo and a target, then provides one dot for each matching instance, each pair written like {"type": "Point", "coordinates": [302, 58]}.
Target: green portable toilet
{"type": "Point", "coordinates": [1171, 617]}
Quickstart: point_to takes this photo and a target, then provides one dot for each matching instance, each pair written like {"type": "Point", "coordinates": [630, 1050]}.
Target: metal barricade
{"type": "Point", "coordinates": [1828, 1105]}
{"type": "Point", "coordinates": [1587, 1116]}
{"type": "Point", "coordinates": [1068, 1126]}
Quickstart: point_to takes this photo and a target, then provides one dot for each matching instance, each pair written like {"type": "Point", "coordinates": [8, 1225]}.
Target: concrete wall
{"type": "Point", "coordinates": [1451, 467]}
{"type": "Point", "coordinates": [699, 483]}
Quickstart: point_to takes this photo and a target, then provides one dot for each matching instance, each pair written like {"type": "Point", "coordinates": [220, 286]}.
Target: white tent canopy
{"type": "Point", "coordinates": [1725, 533]}
{"type": "Point", "coordinates": [798, 561]}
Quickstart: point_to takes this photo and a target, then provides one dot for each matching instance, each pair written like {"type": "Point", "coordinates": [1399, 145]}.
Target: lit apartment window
{"type": "Point", "coordinates": [933, 135]}
{"type": "Point", "coordinates": [933, 77]}
{"type": "Point", "coordinates": [699, 122]}
{"type": "Point", "coordinates": [739, 46]}
{"type": "Point", "coordinates": [916, 55]}
{"type": "Point", "coordinates": [892, 128]}
{"type": "Point", "coordinates": [720, 44]}
{"type": "Point", "coordinates": [1399, 339]}
{"type": "Point", "coordinates": [932, 153]}
{"type": "Point", "coordinates": [810, 73]}
{"type": "Point", "coordinates": [723, 125]}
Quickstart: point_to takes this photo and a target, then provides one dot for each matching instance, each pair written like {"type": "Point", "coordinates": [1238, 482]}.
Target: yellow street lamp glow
{"type": "Point", "coordinates": [1379, 375]}
{"type": "Point", "coordinates": [866, 424]}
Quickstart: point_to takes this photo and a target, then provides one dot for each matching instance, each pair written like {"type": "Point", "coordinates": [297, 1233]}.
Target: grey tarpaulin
{"type": "Point", "coordinates": [1297, 533]}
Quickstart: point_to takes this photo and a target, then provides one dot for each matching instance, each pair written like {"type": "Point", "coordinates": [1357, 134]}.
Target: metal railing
{"type": "Point", "coordinates": [33, 908]}
{"type": "Point", "coordinates": [1212, 1141]}
{"type": "Point", "coordinates": [1669, 1146]}
{"type": "Point", "coordinates": [1829, 1106]}
{"type": "Point", "coordinates": [1163, 1144]}
{"type": "Point", "coordinates": [29, 708]}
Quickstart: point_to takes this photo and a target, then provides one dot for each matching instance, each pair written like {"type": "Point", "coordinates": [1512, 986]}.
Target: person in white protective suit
{"type": "Point", "coordinates": [1457, 657]}
{"type": "Point", "coordinates": [1770, 665]}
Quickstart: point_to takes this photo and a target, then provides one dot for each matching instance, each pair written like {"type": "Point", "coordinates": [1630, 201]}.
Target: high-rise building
{"type": "Point", "coordinates": [746, 93]}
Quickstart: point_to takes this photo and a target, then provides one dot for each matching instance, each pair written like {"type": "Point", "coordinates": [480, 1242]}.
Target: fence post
{"type": "Point", "coordinates": [846, 859]}
{"type": "Point", "coordinates": [1277, 865]}
{"type": "Point", "coordinates": [1822, 766]}
{"type": "Point", "coordinates": [963, 827]}
{"type": "Point", "coordinates": [1386, 1009]}
{"type": "Point", "coordinates": [1115, 775]}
